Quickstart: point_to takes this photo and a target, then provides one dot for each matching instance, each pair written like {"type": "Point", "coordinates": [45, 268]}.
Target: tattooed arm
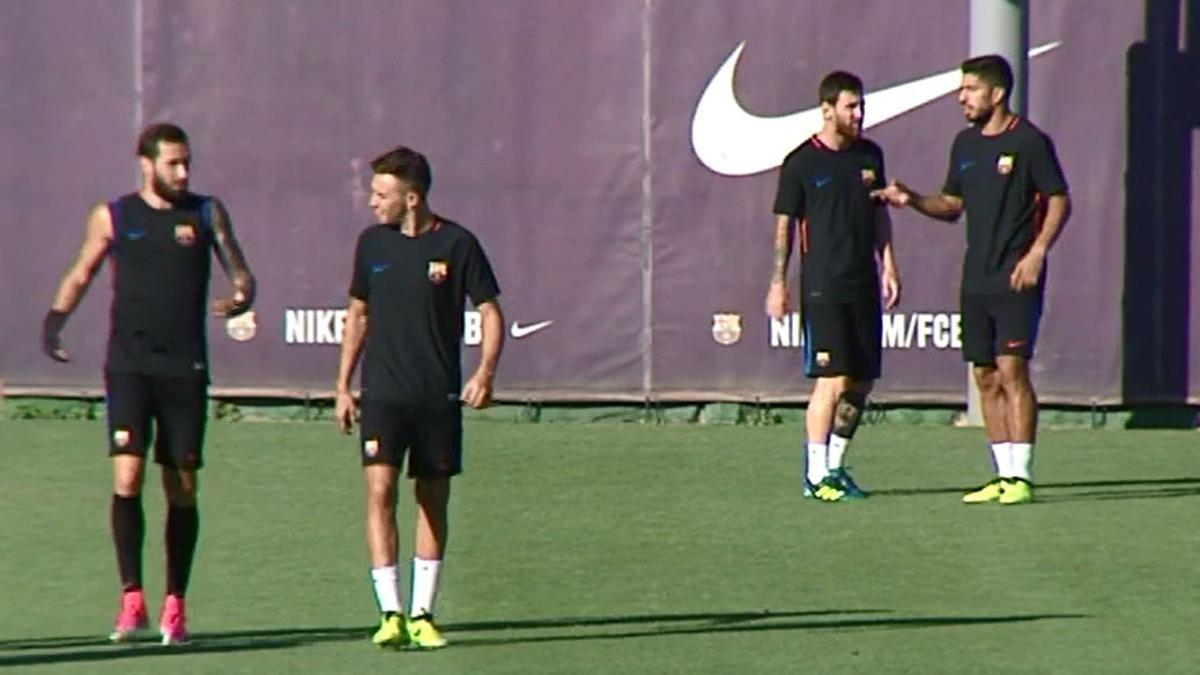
{"type": "Point", "coordinates": [777, 300]}
{"type": "Point", "coordinates": [229, 253]}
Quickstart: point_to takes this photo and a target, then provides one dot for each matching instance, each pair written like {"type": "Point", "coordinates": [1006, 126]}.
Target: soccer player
{"type": "Point", "coordinates": [1004, 173]}
{"type": "Point", "coordinates": [826, 184]}
{"type": "Point", "coordinates": [160, 240]}
{"type": "Point", "coordinates": [412, 274]}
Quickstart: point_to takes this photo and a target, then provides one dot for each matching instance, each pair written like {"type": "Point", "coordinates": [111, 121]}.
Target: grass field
{"type": "Point", "coordinates": [632, 549]}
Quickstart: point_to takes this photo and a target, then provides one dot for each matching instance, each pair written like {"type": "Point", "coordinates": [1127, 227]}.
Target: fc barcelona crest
{"type": "Point", "coordinates": [438, 269]}
{"type": "Point", "coordinates": [868, 177]}
{"type": "Point", "coordinates": [185, 234]}
{"type": "Point", "coordinates": [1004, 164]}
{"type": "Point", "coordinates": [727, 328]}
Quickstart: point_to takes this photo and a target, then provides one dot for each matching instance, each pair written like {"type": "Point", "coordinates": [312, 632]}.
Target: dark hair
{"type": "Point", "coordinates": [162, 132]}
{"type": "Point", "coordinates": [833, 84]}
{"type": "Point", "coordinates": [408, 165]}
{"type": "Point", "coordinates": [992, 69]}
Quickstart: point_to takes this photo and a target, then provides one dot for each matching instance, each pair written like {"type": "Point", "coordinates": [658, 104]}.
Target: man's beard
{"type": "Point", "coordinates": [981, 116]}
{"type": "Point", "coordinates": [164, 190]}
{"type": "Point", "coordinates": [849, 130]}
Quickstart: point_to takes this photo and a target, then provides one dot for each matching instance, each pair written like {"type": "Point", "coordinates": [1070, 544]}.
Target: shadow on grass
{"type": "Point", "coordinates": [1146, 488]}
{"type": "Point", "coordinates": [884, 623]}
{"type": "Point", "coordinates": [88, 649]}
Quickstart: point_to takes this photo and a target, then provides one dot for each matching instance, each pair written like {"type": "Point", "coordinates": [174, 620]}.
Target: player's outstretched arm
{"type": "Point", "coordinates": [477, 392]}
{"type": "Point", "coordinates": [940, 206]}
{"type": "Point", "coordinates": [777, 300]}
{"type": "Point", "coordinates": [354, 334]}
{"type": "Point", "coordinates": [229, 254]}
{"type": "Point", "coordinates": [97, 238]}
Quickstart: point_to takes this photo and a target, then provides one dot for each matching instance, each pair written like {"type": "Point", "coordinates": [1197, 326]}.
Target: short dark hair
{"type": "Point", "coordinates": [833, 84]}
{"type": "Point", "coordinates": [992, 69]}
{"type": "Point", "coordinates": [161, 132]}
{"type": "Point", "coordinates": [408, 165]}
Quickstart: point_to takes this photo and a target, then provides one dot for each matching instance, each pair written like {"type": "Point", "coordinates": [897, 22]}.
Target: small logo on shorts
{"type": "Point", "coordinates": [438, 269]}
{"type": "Point", "coordinates": [1014, 344]}
{"type": "Point", "coordinates": [371, 447]}
{"type": "Point", "coordinates": [242, 327]}
{"type": "Point", "coordinates": [868, 177]}
{"type": "Point", "coordinates": [822, 359]}
{"type": "Point", "coordinates": [1004, 165]}
{"type": "Point", "coordinates": [121, 438]}
{"type": "Point", "coordinates": [185, 234]}
{"type": "Point", "coordinates": [727, 328]}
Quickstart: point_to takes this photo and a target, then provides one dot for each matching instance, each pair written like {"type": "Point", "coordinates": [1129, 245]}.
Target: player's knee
{"type": "Point", "coordinates": [127, 483]}
{"type": "Point", "coordinates": [1012, 373]}
{"type": "Point", "coordinates": [432, 492]}
{"type": "Point", "coordinates": [181, 490]}
{"type": "Point", "coordinates": [988, 380]}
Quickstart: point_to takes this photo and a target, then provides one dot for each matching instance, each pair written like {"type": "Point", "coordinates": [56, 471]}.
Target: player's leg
{"type": "Point", "coordinates": [436, 457]}
{"type": "Point", "coordinates": [824, 362]}
{"type": "Point", "coordinates": [818, 419]}
{"type": "Point", "coordinates": [383, 447]}
{"type": "Point", "coordinates": [127, 399]}
{"type": "Point", "coordinates": [846, 416]}
{"type": "Point", "coordinates": [181, 406]}
{"type": "Point", "coordinates": [978, 336]}
{"type": "Point", "coordinates": [864, 344]}
{"type": "Point", "coordinates": [1017, 323]}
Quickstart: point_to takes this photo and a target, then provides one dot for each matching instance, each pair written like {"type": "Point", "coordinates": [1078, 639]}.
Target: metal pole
{"type": "Point", "coordinates": [1000, 27]}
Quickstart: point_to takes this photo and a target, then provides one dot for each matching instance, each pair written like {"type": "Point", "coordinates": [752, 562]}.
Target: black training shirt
{"type": "Point", "coordinates": [415, 289]}
{"type": "Point", "coordinates": [829, 192]}
{"type": "Point", "coordinates": [1004, 181]}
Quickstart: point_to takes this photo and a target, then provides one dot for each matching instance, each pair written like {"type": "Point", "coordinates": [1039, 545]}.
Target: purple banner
{"type": "Point", "coordinates": [616, 160]}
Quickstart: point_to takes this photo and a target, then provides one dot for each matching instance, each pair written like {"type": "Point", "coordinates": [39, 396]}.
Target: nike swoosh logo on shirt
{"type": "Point", "coordinates": [734, 142]}
{"type": "Point", "coordinates": [518, 331]}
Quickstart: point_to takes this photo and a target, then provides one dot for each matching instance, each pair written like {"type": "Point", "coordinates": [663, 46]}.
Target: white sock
{"type": "Point", "coordinates": [1021, 461]}
{"type": "Point", "coordinates": [837, 450]}
{"type": "Point", "coordinates": [424, 585]}
{"type": "Point", "coordinates": [387, 589]}
{"type": "Point", "coordinates": [818, 468]}
{"type": "Point", "coordinates": [1002, 454]}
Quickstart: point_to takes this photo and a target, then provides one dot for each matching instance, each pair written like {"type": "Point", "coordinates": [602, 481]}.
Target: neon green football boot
{"type": "Point", "coordinates": [421, 633]}
{"type": "Point", "coordinates": [391, 633]}
{"type": "Point", "coordinates": [1016, 491]}
{"type": "Point", "coordinates": [988, 492]}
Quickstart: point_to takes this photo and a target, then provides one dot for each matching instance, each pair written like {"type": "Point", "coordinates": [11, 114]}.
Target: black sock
{"type": "Point", "coordinates": [128, 528]}
{"type": "Point", "coordinates": [183, 529]}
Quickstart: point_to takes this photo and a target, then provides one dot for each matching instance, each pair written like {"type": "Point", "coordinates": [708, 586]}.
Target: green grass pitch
{"type": "Point", "coordinates": [605, 548]}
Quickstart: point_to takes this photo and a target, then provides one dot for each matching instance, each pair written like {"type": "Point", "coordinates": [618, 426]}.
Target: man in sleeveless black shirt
{"type": "Point", "coordinates": [160, 240]}
{"type": "Point", "coordinates": [1004, 173]}
{"type": "Point", "coordinates": [413, 272]}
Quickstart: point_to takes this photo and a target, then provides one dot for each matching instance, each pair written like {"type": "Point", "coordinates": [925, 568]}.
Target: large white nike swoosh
{"type": "Point", "coordinates": [518, 331]}
{"type": "Point", "coordinates": [731, 141]}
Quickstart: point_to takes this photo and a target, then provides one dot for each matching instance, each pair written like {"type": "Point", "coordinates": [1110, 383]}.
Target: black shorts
{"type": "Point", "coordinates": [843, 338]}
{"type": "Point", "coordinates": [430, 434]}
{"type": "Point", "coordinates": [178, 407]}
{"type": "Point", "coordinates": [1000, 324]}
